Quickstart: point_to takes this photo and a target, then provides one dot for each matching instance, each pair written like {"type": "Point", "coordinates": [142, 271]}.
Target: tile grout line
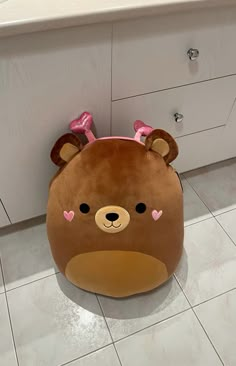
{"type": "Point", "coordinates": [12, 332]}
{"type": "Point", "coordinates": [9, 315]}
{"type": "Point", "coordinates": [213, 216]}
{"type": "Point", "coordinates": [114, 345]}
{"type": "Point", "coordinates": [197, 222]}
{"type": "Point", "coordinates": [85, 355]}
{"type": "Point", "coordinates": [214, 297]}
{"type": "Point", "coordinates": [193, 310]}
{"type": "Point", "coordinates": [113, 342]}
{"type": "Point", "coordinates": [1, 272]}
{"type": "Point", "coordinates": [103, 314]}
{"type": "Point", "coordinates": [152, 325]}
{"type": "Point", "coordinates": [225, 231]}
{"type": "Point", "coordinates": [177, 280]}
{"type": "Point", "coordinates": [33, 281]}
{"type": "Point", "coordinates": [208, 218]}
{"type": "Point", "coordinates": [212, 213]}
{"type": "Point", "coordinates": [224, 212]}
{"type": "Point", "coordinates": [208, 336]}
{"type": "Point", "coordinates": [198, 194]}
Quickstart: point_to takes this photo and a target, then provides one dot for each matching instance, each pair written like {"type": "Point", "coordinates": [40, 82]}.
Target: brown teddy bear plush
{"type": "Point", "coordinates": [115, 210]}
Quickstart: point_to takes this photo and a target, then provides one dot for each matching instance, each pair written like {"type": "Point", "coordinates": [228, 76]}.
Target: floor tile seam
{"type": "Point", "coordinates": [223, 212]}
{"type": "Point", "coordinates": [151, 325]}
{"type": "Point", "coordinates": [86, 354]}
{"type": "Point", "coordinates": [108, 328]}
{"type": "Point", "coordinates": [1, 273]}
{"type": "Point", "coordinates": [12, 330]}
{"type": "Point", "coordinates": [214, 297]}
{"type": "Point", "coordinates": [208, 337]}
{"type": "Point", "coordinates": [197, 222]}
{"type": "Point", "coordinates": [192, 308]}
{"type": "Point", "coordinates": [30, 282]}
{"type": "Point", "coordinates": [222, 227]}
{"type": "Point", "coordinates": [197, 194]}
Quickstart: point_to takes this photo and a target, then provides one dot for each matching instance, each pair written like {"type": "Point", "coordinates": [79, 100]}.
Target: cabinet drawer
{"type": "Point", "coordinates": [151, 54]}
{"type": "Point", "coordinates": [204, 106]}
{"type": "Point", "coordinates": [4, 221]}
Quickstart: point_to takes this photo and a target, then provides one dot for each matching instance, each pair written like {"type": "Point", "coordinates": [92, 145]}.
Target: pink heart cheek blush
{"type": "Point", "coordinates": [156, 214]}
{"type": "Point", "coordinates": [69, 215]}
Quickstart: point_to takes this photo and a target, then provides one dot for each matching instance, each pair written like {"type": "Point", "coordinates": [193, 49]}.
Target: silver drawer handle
{"type": "Point", "coordinates": [178, 117]}
{"type": "Point", "coordinates": [193, 54]}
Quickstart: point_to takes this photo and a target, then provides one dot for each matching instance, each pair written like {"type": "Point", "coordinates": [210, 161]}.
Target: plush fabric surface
{"type": "Point", "coordinates": [137, 184]}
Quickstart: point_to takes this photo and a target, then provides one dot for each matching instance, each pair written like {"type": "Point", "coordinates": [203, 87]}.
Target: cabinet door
{"type": "Point", "coordinates": [46, 80]}
{"type": "Point", "coordinates": [151, 54]}
{"type": "Point", "coordinates": [4, 221]}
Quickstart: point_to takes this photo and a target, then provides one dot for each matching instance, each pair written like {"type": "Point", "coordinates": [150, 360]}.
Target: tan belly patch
{"type": "Point", "coordinates": [116, 273]}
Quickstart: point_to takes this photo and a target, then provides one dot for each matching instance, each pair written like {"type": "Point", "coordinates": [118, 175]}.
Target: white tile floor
{"type": "Point", "coordinates": [190, 321]}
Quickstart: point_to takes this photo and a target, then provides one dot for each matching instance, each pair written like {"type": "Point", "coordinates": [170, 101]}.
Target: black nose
{"type": "Point", "coordinates": [112, 216]}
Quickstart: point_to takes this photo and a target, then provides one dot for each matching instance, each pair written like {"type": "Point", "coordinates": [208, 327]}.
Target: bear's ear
{"type": "Point", "coordinates": [161, 142]}
{"type": "Point", "coordinates": [65, 148]}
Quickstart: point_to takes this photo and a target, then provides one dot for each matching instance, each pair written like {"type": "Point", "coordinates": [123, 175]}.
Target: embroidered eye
{"type": "Point", "coordinates": [84, 208]}
{"type": "Point", "coordinates": [141, 207]}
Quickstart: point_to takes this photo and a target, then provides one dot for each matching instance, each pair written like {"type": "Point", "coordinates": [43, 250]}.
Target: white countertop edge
{"type": "Point", "coordinates": [37, 24]}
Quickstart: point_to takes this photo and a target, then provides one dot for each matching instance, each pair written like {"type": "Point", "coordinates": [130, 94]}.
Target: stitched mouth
{"type": "Point", "coordinates": [112, 225]}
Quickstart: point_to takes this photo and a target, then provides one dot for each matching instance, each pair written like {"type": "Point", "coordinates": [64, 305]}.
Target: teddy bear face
{"type": "Point", "coordinates": [115, 218]}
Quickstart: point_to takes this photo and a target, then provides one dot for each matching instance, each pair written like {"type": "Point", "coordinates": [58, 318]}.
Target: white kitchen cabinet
{"type": "Point", "coordinates": [46, 80]}
{"type": "Point", "coordinates": [150, 54]}
{"type": "Point", "coordinates": [4, 220]}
